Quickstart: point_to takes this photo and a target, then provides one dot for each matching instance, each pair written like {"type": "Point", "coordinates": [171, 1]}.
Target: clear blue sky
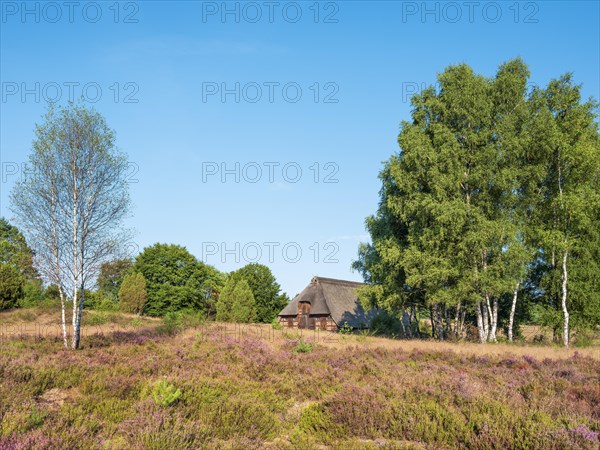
{"type": "Point", "coordinates": [366, 55]}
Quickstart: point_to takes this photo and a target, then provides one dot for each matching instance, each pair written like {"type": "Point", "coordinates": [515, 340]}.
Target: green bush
{"type": "Point", "coordinates": [386, 324]}
{"type": "Point", "coordinates": [345, 329]}
{"type": "Point", "coordinates": [33, 294]}
{"type": "Point", "coordinates": [585, 339]}
{"type": "Point", "coordinates": [276, 325]}
{"type": "Point", "coordinates": [266, 291]}
{"type": "Point", "coordinates": [164, 393]}
{"type": "Point", "coordinates": [36, 417]}
{"type": "Point", "coordinates": [172, 323]}
{"type": "Point", "coordinates": [303, 347]}
{"type": "Point", "coordinates": [106, 304]}
{"type": "Point", "coordinates": [191, 318]}
{"type": "Point", "coordinates": [95, 318]}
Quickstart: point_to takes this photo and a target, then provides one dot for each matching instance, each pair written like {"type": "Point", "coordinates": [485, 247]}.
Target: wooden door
{"type": "Point", "coordinates": [303, 315]}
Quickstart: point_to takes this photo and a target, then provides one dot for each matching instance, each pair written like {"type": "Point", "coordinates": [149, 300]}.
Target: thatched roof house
{"type": "Point", "coordinates": [326, 304]}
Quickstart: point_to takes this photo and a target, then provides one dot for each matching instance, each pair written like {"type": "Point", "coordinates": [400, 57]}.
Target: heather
{"type": "Point", "coordinates": [157, 388]}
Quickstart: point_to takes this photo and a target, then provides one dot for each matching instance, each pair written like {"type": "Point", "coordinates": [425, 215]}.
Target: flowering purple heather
{"type": "Point", "coordinates": [252, 392]}
{"type": "Point", "coordinates": [585, 432]}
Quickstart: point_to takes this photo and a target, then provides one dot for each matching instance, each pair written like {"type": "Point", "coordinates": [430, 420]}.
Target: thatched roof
{"type": "Point", "coordinates": [335, 297]}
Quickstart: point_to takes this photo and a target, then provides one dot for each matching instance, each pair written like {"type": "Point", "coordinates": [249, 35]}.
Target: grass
{"type": "Point", "coordinates": [236, 387]}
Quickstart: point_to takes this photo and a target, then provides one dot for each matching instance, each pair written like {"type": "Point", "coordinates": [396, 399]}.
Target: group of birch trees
{"type": "Point", "coordinates": [494, 197]}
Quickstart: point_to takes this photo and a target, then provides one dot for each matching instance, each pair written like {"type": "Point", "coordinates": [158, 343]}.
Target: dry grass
{"type": "Point", "coordinates": [45, 323]}
{"type": "Point", "coordinates": [338, 341]}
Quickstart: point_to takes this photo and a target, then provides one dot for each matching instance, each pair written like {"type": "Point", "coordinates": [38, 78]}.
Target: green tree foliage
{"type": "Point", "coordinates": [11, 286]}
{"type": "Point", "coordinates": [236, 302]}
{"type": "Point", "coordinates": [33, 293]}
{"type": "Point", "coordinates": [111, 276]}
{"type": "Point", "coordinates": [266, 291]}
{"type": "Point", "coordinates": [175, 280]}
{"type": "Point", "coordinates": [490, 182]}
{"type": "Point", "coordinates": [132, 293]}
{"type": "Point", "coordinates": [565, 161]}
{"type": "Point", "coordinates": [15, 252]}
{"type": "Point", "coordinates": [52, 292]}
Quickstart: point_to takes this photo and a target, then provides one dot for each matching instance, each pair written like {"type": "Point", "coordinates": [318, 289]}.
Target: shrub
{"type": "Point", "coordinates": [276, 325]}
{"type": "Point", "coordinates": [172, 323]}
{"type": "Point", "coordinates": [33, 294]}
{"type": "Point", "coordinates": [164, 393]}
{"type": "Point", "coordinates": [386, 324]}
{"type": "Point", "coordinates": [360, 410]}
{"type": "Point", "coordinates": [36, 417]}
{"type": "Point", "coordinates": [303, 347]}
{"type": "Point", "coordinates": [107, 305]}
{"type": "Point", "coordinates": [584, 339]}
{"type": "Point", "coordinates": [315, 420]}
{"type": "Point", "coordinates": [191, 318]}
{"type": "Point", "coordinates": [132, 294]}
{"type": "Point", "coordinates": [345, 329]}
{"type": "Point", "coordinates": [96, 318]}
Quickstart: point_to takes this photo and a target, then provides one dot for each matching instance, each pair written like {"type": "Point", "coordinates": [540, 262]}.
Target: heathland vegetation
{"type": "Point", "coordinates": [153, 386]}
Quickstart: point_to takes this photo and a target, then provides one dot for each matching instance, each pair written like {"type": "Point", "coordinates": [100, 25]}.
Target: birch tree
{"type": "Point", "coordinates": [74, 204]}
{"type": "Point", "coordinates": [448, 210]}
{"type": "Point", "coordinates": [565, 138]}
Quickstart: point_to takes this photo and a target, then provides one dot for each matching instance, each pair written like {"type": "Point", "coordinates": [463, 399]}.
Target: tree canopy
{"type": "Point", "coordinates": [265, 289]}
{"type": "Point", "coordinates": [236, 302]}
{"type": "Point", "coordinates": [176, 280]}
{"type": "Point", "coordinates": [132, 293]}
{"type": "Point", "coordinates": [491, 181]}
{"type": "Point", "coordinates": [19, 279]}
{"type": "Point", "coordinates": [111, 276]}
{"type": "Point", "coordinates": [15, 251]}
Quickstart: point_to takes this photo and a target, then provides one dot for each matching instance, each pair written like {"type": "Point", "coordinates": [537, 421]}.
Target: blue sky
{"type": "Point", "coordinates": [323, 92]}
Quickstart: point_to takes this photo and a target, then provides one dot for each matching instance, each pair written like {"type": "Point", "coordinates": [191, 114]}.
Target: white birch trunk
{"type": "Point", "coordinates": [513, 308]}
{"type": "Point", "coordinates": [564, 266]}
{"type": "Point", "coordinates": [77, 330]}
{"type": "Point", "coordinates": [494, 319]}
{"type": "Point", "coordinates": [63, 317]}
{"type": "Point", "coordinates": [480, 326]}
{"type": "Point", "coordinates": [564, 299]}
{"type": "Point", "coordinates": [485, 306]}
{"type": "Point", "coordinates": [75, 256]}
